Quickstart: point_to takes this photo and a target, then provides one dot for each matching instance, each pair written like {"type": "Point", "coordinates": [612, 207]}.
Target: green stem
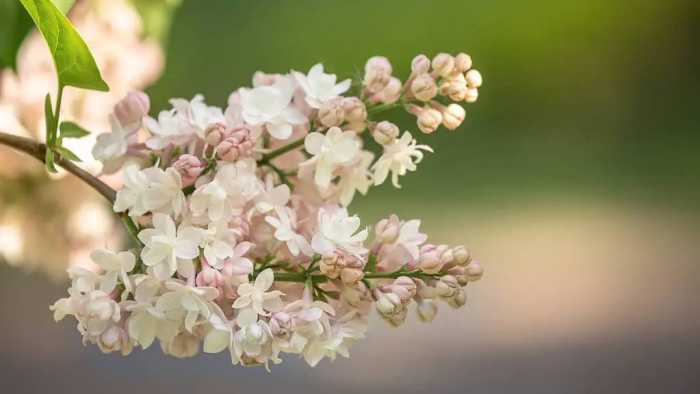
{"type": "Point", "coordinates": [131, 228]}
{"type": "Point", "coordinates": [382, 107]}
{"type": "Point", "coordinates": [280, 151]}
{"type": "Point", "coordinates": [56, 115]}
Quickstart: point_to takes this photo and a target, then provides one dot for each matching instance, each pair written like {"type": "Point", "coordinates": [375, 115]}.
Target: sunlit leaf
{"type": "Point", "coordinates": [67, 153]}
{"type": "Point", "coordinates": [74, 62]}
{"type": "Point", "coordinates": [72, 130]}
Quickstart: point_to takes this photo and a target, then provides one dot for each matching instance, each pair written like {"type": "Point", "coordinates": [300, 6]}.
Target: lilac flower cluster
{"type": "Point", "coordinates": [243, 239]}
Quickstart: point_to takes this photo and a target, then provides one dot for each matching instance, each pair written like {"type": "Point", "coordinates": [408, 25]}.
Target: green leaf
{"type": "Point", "coordinates": [74, 62]}
{"type": "Point", "coordinates": [48, 117]}
{"type": "Point", "coordinates": [72, 130]}
{"type": "Point", "coordinates": [15, 24]}
{"type": "Point", "coordinates": [49, 159]}
{"type": "Point", "coordinates": [157, 17]}
{"type": "Point", "coordinates": [67, 153]}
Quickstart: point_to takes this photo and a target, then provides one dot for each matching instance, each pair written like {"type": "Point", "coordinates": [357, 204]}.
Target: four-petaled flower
{"type": "Point", "coordinates": [319, 86]}
{"type": "Point", "coordinates": [257, 297]}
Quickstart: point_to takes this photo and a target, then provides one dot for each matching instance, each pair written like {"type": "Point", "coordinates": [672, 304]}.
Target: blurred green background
{"type": "Point", "coordinates": [574, 179]}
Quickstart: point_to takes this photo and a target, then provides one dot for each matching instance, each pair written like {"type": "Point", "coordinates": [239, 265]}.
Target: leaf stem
{"type": "Point", "coordinates": [282, 150]}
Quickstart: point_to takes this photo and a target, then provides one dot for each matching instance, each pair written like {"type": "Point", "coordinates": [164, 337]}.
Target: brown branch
{"type": "Point", "coordinates": [38, 151]}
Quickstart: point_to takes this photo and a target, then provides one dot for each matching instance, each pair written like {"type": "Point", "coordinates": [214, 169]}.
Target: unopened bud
{"type": "Point", "coordinates": [331, 113]}
{"type": "Point", "coordinates": [189, 167]}
{"type": "Point", "coordinates": [132, 108]}
{"type": "Point", "coordinates": [420, 65]}
{"type": "Point", "coordinates": [453, 116]}
{"type": "Point", "coordinates": [391, 92]}
{"type": "Point", "coordinates": [462, 255]}
{"type": "Point", "coordinates": [351, 276]}
{"type": "Point", "coordinates": [387, 230]}
{"type": "Point", "coordinates": [331, 266]}
{"type": "Point", "coordinates": [447, 286]}
{"type": "Point", "coordinates": [238, 144]}
{"type": "Point", "coordinates": [424, 87]}
{"type": "Point", "coordinates": [426, 310]}
{"type": "Point", "coordinates": [215, 133]}
{"type": "Point", "coordinates": [463, 62]}
{"type": "Point", "coordinates": [377, 74]}
{"type": "Point", "coordinates": [474, 79]}
{"type": "Point", "coordinates": [443, 64]}
{"type": "Point", "coordinates": [429, 120]}
{"type": "Point", "coordinates": [355, 110]}
{"type": "Point", "coordinates": [458, 300]}
{"type": "Point", "coordinates": [472, 95]}
{"type": "Point", "coordinates": [385, 132]}
{"type": "Point", "coordinates": [474, 271]}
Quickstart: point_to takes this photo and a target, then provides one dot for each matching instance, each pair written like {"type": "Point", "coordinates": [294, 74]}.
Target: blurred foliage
{"type": "Point", "coordinates": [593, 98]}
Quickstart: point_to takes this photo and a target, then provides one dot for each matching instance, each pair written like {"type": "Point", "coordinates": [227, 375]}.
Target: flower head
{"type": "Point", "coordinates": [320, 87]}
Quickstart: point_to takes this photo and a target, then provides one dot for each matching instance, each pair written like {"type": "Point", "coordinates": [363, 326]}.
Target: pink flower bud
{"type": "Point", "coordinates": [443, 64]}
{"type": "Point", "coordinates": [281, 324]}
{"type": "Point", "coordinates": [429, 120]}
{"type": "Point", "coordinates": [453, 116]}
{"type": "Point", "coordinates": [388, 303]}
{"type": "Point", "coordinates": [385, 132]}
{"type": "Point", "coordinates": [420, 65]}
{"type": "Point", "coordinates": [463, 62]}
{"type": "Point", "coordinates": [390, 94]}
{"type": "Point", "coordinates": [462, 255]}
{"type": "Point", "coordinates": [404, 287]}
{"type": "Point", "coordinates": [474, 271]}
{"type": "Point", "coordinates": [355, 110]}
{"type": "Point", "coordinates": [237, 145]}
{"type": "Point", "coordinates": [424, 87]}
{"type": "Point", "coordinates": [458, 300]}
{"type": "Point", "coordinates": [377, 74]}
{"type": "Point", "coordinates": [387, 230]}
{"type": "Point", "coordinates": [474, 79]}
{"type": "Point", "coordinates": [447, 287]}
{"type": "Point", "coordinates": [209, 277]}
{"type": "Point", "coordinates": [431, 258]}
{"type": "Point", "coordinates": [472, 95]}
{"type": "Point", "coordinates": [350, 276]}
{"type": "Point", "coordinates": [331, 113]}
{"type": "Point", "coordinates": [455, 88]}
{"type": "Point", "coordinates": [189, 167]}
{"type": "Point", "coordinates": [331, 266]}
{"type": "Point", "coordinates": [132, 108]}
{"type": "Point", "coordinates": [215, 133]}
{"type": "Point", "coordinates": [426, 310]}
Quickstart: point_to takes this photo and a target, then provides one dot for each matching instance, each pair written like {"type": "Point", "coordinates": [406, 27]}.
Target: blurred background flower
{"type": "Point", "coordinates": [574, 179]}
{"type": "Point", "coordinates": [35, 210]}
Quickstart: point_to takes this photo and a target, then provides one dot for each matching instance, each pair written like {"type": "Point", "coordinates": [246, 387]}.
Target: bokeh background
{"type": "Point", "coordinates": [575, 180]}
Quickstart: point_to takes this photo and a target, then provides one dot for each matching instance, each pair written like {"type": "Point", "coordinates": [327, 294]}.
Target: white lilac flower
{"type": "Point", "coordinates": [111, 148]}
{"type": "Point", "coordinates": [355, 178]}
{"type": "Point", "coordinates": [164, 193]}
{"type": "Point", "coordinates": [272, 197]}
{"type": "Point", "coordinates": [130, 196]}
{"type": "Point", "coordinates": [270, 106]}
{"type": "Point", "coordinates": [320, 87]}
{"type": "Point", "coordinates": [151, 189]}
{"type": "Point", "coordinates": [198, 114]}
{"type": "Point", "coordinates": [330, 151]}
{"type": "Point", "coordinates": [171, 128]}
{"type": "Point", "coordinates": [252, 337]}
{"type": "Point", "coordinates": [220, 334]}
{"type": "Point", "coordinates": [116, 266]}
{"type": "Point", "coordinates": [232, 187]}
{"type": "Point", "coordinates": [400, 156]}
{"type": "Point", "coordinates": [168, 250]}
{"type": "Point", "coordinates": [285, 232]}
{"type": "Point", "coordinates": [186, 303]}
{"type": "Point", "coordinates": [257, 297]}
{"type": "Point", "coordinates": [146, 323]}
{"type": "Point", "coordinates": [217, 243]}
{"type": "Point", "coordinates": [337, 232]}
{"type": "Point", "coordinates": [343, 332]}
